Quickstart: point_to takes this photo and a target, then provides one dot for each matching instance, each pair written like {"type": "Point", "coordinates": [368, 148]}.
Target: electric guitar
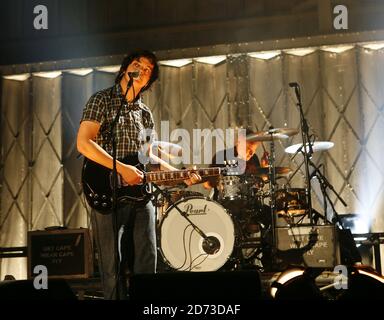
{"type": "Point", "coordinates": [97, 183]}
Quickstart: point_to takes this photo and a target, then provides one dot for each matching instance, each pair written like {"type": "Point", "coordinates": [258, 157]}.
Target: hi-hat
{"type": "Point", "coordinates": [271, 134]}
{"type": "Point", "coordinates": [316, 146]}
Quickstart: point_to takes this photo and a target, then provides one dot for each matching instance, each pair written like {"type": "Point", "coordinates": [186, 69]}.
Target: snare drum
{"type": "Point", "coordinates": [183, 248]}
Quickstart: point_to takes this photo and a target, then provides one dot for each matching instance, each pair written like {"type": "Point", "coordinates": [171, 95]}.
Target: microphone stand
{"type": "Point", "coordinates": [307, 153]}
{"type": "Point", "coordinates": [324, 184]}
{"type": "Point", "coordinates": [298, 167]}
{"type": "Point", "coordinates": [112, 133]}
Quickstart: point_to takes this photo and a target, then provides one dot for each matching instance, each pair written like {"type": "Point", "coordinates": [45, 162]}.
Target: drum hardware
{"type": "Point", "coordinates": [272, 178]}
{"type": "Point", "coordinates": [291, 202]}
{"type": "Point", "coordinates": [317, 146]}
{"type": "Point", "coordinates": [241, 192]}
{"type": "Point", "coordinates": [270, 175]}
{"type": "Point", "coordinates": [254, 242]}
{"type": "Point", "coordinates": [324, 184]}
{"type": "Point", "coordinates": [184, 248]}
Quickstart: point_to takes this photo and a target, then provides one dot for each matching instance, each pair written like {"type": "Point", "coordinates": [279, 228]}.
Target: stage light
{"type": "Point", "coordinates": [108, 69]}
{"type": "Point", "coordinates": [295, 284]}
{"type": "Point", "coordinates": [48, 75]}
{"type": "Point", "coordinates": [377, 45]}
{"type": "Point", "coordinates": [265, 55]}
{"type": "Point", "coordinates": [300, 52]}
{"type": "Point", "coordinates": [336, 48]}
{"type": "Point", "coordinates": [79, 71]}
{"type": "Point", "coordinates": [18, 77]}
{"type": "Point", "coordinates": [176, 63]}
{"type": "Point", "coordinates": [213, 60]}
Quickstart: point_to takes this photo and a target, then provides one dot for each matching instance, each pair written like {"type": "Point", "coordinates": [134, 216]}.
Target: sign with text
{"type": "Point", "coordinates": [310, 246]}
{"type": "Point", "coordinates": [65, 253]}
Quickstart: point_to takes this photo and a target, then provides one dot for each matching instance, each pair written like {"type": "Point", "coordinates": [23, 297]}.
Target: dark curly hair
{"type": "Point", "coordinates": [135, 56]}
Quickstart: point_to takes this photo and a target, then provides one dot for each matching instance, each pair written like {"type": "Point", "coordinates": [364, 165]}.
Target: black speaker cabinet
{"type": "Point", "coordinates": [65, 253]}
{"type": "Point", "coordinates": [57, 289]}
{"type": "Point", "coordinates": [310, 246]}
{"type": "Point", "coordinates": [196, 286]}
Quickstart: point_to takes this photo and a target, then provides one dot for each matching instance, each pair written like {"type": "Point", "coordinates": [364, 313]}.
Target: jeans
{"type": "Point", "coordinates": [136, 245]}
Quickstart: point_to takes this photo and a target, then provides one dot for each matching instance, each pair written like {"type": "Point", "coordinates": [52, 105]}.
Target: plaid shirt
{"type": "Point", "coordinates": [134, 118]}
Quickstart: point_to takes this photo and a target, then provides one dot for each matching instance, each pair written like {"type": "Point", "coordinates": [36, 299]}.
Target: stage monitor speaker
{"type": "Point", "coordinates": [66, 253]}
{"type": "Point", "coordinates": [196, 286]}
{"type": "Point", "coordinates": [58, 289]}
{"type": "Point", "coordinates": [308, 246]}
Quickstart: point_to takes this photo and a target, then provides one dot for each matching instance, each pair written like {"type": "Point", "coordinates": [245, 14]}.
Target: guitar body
{"type": "Point", "coordinates": [97, 186]}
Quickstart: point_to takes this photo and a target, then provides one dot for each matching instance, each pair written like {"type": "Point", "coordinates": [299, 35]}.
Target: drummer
{"type": "Point", "coordinates": [242, 155]}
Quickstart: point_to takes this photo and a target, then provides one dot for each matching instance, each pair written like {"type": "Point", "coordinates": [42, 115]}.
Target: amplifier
{"type": "Point", "coordinates": [309, 246]}
{"type": "Point", "coordinates": [66, 253]}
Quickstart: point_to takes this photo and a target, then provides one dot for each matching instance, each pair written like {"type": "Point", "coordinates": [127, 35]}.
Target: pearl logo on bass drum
{"type": "Point", "coordinates": [190, 209]}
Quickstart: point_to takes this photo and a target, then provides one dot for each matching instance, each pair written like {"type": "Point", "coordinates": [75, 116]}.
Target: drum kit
{"type": "Point", "coordinates": [233, 230]}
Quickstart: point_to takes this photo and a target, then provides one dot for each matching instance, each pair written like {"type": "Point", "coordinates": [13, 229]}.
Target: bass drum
{"type": "Point", "coordinates": [183, 248]}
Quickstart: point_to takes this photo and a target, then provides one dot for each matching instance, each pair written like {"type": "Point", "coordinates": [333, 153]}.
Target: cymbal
{"type": "Point", "coordinates": [264, 172]}
{"type": "Point", "coordinates": [316, 146]}
{"type": "Point", "coordinates": [271, 134]}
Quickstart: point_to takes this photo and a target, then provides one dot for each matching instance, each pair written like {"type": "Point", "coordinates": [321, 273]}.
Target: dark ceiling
{"type": "Point", "coordinates": [89, 28]}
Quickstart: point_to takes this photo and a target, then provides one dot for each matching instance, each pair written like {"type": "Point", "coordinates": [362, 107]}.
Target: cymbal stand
{"type": "Point", "coordinates": [272, 187]}
{"type": "Point", "coordinates": [324, 184]}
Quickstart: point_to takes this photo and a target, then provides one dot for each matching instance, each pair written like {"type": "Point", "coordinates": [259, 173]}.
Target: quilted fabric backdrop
{"type": "Point", "coordinates": [343, 100]}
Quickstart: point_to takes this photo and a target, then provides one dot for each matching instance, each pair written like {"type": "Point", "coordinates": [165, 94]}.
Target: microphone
{"type": "Point", "coordinates": [297, 89]}
{"type": "Point", "coordinates": [134, 74]}
{"type": "Point", "coordinates": [211, 245]}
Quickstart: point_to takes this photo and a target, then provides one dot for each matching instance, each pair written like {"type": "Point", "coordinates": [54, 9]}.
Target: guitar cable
{"type": "Point", "coordinates": [184, 247]}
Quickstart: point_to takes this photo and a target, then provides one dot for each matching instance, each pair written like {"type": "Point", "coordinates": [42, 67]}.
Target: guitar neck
{"type": "Point", "coordinates": [165, 176]}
